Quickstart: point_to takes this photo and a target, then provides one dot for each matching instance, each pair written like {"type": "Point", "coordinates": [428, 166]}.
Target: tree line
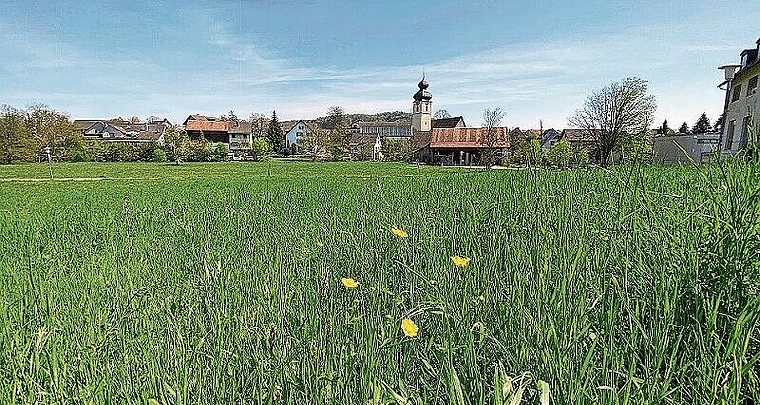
{"type": "Point", "coordinates": [30, 135]}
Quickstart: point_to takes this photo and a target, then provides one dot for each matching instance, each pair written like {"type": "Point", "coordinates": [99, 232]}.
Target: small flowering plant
{"type": "Point", "coordinates": [349, 283]}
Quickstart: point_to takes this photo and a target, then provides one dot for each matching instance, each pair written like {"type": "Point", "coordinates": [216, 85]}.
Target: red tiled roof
{"type": "Point", "coordinates": [215, 126]}
{"type": "Point", "coordinates": [466, 137]}
{"type": "Point", "coordinates": [577, 135]}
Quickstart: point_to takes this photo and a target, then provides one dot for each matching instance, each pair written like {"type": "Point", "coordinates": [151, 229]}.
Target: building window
{"type": "Point", "coordinates": [737, 92]}
{"type": "Point", "coordinates": [745, 132]}
{"type": "Point", "coordinates": [730, 134]}
{"type": "Point", "coordinates": [752, 86]}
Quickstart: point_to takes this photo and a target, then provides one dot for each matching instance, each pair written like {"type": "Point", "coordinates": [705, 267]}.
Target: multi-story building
{"type": "Point", "coordinates": [742, 101]}
{"type": "Point", "coordinates": [236, 134]}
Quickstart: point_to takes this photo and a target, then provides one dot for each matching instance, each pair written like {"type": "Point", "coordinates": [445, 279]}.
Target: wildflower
{"type": "Point", "coordinates": [320, 244]}
{"type": "Point", "coordinates": [399, 232]}
{"type": "Point", "coordinates": [409, 328]}
{"type": "Point", "coordinates": [349, 283]}
{"type": "Point", "coordinates": [460, 262]}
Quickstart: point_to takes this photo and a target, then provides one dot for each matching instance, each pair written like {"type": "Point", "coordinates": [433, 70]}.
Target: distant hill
{"type": "Point", "coordinates": [388, 116]}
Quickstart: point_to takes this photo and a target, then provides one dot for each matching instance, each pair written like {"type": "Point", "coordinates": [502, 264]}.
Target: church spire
{"type": "Point", "coordinates": [423, 93]}
{"type": "Point", "coordinates": [422, 107]}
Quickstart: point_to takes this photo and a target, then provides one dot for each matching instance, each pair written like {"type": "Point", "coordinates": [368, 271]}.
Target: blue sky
{"type": "Point", "coordinates": [536, 60]}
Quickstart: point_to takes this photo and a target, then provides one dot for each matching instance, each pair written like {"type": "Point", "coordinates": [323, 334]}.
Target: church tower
{"type": "Point", "coordinates": [422, 108]}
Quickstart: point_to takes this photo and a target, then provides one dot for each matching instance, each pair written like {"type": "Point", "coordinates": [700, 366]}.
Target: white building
{"type": "Point", "coordinates": [742, 101]}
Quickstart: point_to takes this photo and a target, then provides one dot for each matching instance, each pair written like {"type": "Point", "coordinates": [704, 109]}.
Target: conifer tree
{"type": "Point", "coordinates": [684, 129]}
{"type": "Point", "coordinates": [275, 136]}
{"type": "Point", "coordinates": [702, 126]}
{"type": "Point", "coordinates": [664, 129]}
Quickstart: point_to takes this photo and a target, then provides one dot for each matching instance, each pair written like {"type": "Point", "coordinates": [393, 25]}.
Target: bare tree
{"type": "Point", "coordinates": [493, 135]}
{"type": "Point", "coordinates": [441, 114]}
{"type": "Point", "coordinates": [314, 142]}
{"type": "Point", "coordinates": [615, 111]}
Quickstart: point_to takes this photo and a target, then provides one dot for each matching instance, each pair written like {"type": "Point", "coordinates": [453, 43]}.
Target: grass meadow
{"type": "Point", "coordinates": [221, 283]}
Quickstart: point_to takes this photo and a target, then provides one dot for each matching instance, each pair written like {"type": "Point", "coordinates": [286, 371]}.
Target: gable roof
{"type": "Point", "coordinates": [451, 122]}
{"type": "Point", "coordinates": [210, 126]}
{"type": "Point", "coordinates": [198, 117]}
{"type": "Point", "coordinates": [239, 127]}
{"type": "Point", "coordinates": [578, 135]}
{"type": "Point", "coordinates": [466, 137]}
{"type": "Point", "coordinates": [287, 126]}
{"type": "Point", "coordinates": [82, 125]}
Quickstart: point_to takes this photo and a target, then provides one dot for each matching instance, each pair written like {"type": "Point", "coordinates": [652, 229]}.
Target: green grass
{"type": "Point", "coordinates": [220, 283]}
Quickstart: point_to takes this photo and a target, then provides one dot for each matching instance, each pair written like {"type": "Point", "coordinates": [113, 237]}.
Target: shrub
{"type": "Point", "coordinates": [159, 155]}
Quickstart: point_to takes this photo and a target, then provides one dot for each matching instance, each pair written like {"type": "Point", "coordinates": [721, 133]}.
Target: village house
{"type": "Point", "coordinates": [454, 144]}
{"type": "Point", "coordinates": [550, 137]}
{"type": "Point", "coordinates": [211, 128]}
{"type": "Point", "coordinates": [131, 131]}
{"type": "Point", "coordinates": [294, 131]}
{"type": "Point", "coordinates": [742, 101]}
{"type": "Point", "coordinates": [236, 134]}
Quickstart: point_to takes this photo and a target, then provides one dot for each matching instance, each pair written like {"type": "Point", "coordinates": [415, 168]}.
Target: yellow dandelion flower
{"type": "Point", "coordinates": [320, 244]}
{"type": "Point", "coordinates": [349, 283]}
{"type": "Point", "coordinates": [409, 327]}
{"type": "Point", "coordinates": [399, 232]}
{"type": "Point", "coordinates": [460, 262]}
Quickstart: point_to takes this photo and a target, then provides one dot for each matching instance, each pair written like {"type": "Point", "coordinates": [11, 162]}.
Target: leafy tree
{"type": "Point", "coordinates": [339, 136]}
{"type": "Point", "coordinates": [177, 142]}
{"type": "Point", "coordinates": [16, 144]}
{"type": "Point", "coordinates": [220, 152]}
{"type": "Point", "coordinates": [145, 152]}
{"type": "Point", "coordinates": [259, 125]}
{"type": "Point", "coordinates": [199, 151]}
{"type": "Point", "coordinates": [635, 147]}
{"type": "Point", "coordinates": [536, 152]}
{"type": "Point", "coordinates": [618, 109]}
{"type": "Point", "coordinates": [560, 154]}
{"type": "Point", "coordinates": [231, 116]}
{"type": "Point", "coordinates": [396, 150]}
{"type": "Point", "coordinates": [441, 114]}
{"type": "Point", "coordinates": [702, 126]}
{"type": "Point", "coordinates": [519, 146]}
{"type": "Point", "coordinates": [260, 149]}
{"type": "Point", "coordinates": [50, 128]}
{"type": "Point", "coordinates": [275, 135]}
{"type": "Point", "coordinates": [159, 155]}
{"type": "Point", "coordinates": [492, 137]}
{"type": "Point", "coordinates": [684, 128]}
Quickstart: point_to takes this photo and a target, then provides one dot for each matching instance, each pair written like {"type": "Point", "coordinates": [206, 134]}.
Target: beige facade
{"type": "Point", "coordinates": [422, 108]}
{"type": "Point", "coordinates": [741, 120]}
